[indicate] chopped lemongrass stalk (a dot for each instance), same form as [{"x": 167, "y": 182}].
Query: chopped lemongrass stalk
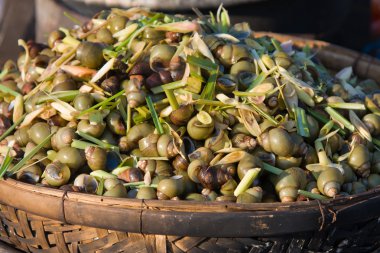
[
  {"x": 119, "y": 170},
  {"x": 54, "y": 67},
  {"x": 347, "y": 106},
  {"x": 172, "y": 99},
  {"x": 304, "y": 96},
  {"x": 82, "y": 144},
  {"x": 102, "y": 103},
  {"x": 339, "y": 118},
  {"x": 182, "y": 45},
  {"x": 209, "y": 89},
  {"x": 26, "y": 158},
  {"x": 155, "y": 118},
  {"x": 151, "y": 186},
  {"x": 284, "y": 73},
  {"x": 66, "y": 110},
  {"x": 25, "y": 65},
  {"x": 69, "y": 40},
  {"x": 202, "y": 63},
  {"x": 134, "y": 184},
  {"x": 104, "y": 70},
  {"x": 179, "y": 27},
  {"x": 100, "y": 189},
  {"x": 324, "y": 120},
  {"x": 126, "y": 32},
  {"x": 372, "y": 106},
  {"x": 101, "y": 144},
  {"x": 264, "y": 114},
  {"x": 326, "y": 128},
  {"x": 247, "y": 181},
  {"x": 168, "y": 86},
  {"x": 360, "y": 126},
  {"x": 31, "y": 116},
  {"x": 101, "y": 174},
  {"x": 7, "y": 90},
  {"x": 322, "y": 155},
  {"x": 272, "y": 169},
  {"x": 302, "y": 125},
  {"x": 259, "y": 61},
  {"x": 276, "y": 44},
  {"x": 160, "y": 158},
  {"x": 129, "y": 118},
  {"x": 209, "y": 102},
  {"x": 204, "y": 118},
  {"x": 18, "y": 110},
  {"x": 66, "y": 96},
  {"x": 199, "y": 44},
  {"x": 248, "y": 119},
  {"x": 260, "y": 78},
  {"x": 312, "y": 195},
  {"x": 9, "y": 130}
]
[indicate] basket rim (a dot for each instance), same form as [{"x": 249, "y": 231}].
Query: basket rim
[{"x": 205, "y": 218}]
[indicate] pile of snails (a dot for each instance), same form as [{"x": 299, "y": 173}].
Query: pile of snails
[{"x": 139, "y": 104}]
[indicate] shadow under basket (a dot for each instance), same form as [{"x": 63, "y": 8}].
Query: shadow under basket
[{"x": 37, "y": 219}]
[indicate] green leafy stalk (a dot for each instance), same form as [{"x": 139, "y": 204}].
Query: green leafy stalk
[
  {"x": 10, "y": 130},
  {"x": 264, "y": 114},
  {"x": 155, "y": 118},
  {"x": 97, "y": 141},
  {"x": 272, "y": 169},
  {"x": 32, "y": 153},
  {"x": 209, "y": 89},
  {"x": 302, "y": 125},
  {"x": 276, "y": 44},
  {"x": 312, "y": 195},
  {"x": 168, "y": 86},
  {"x": 202, "y": 63},
  {"x": 82, "y": 144},
  {"x": 104, "y": 102},
  {"x": 5, "y": 164},
  {"x": 7, "y": 90},
  {"x": 66, "y": 96},
  {"x": 324, "y": 120},
  {"x": 339, "y": 118}
]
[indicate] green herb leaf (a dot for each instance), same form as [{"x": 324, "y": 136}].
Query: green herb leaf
[{"x": 153, "y": 112}]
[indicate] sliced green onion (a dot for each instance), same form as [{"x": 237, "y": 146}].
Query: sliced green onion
[
  {"x": 339, "y": 118},
  {"x": 155, "y": 118},
  {"x": 272, "y": 169},
  {"x": 34, "y": 151},
  {"x": 312, "y": 195},
  {"x": 247, "y": 181}
]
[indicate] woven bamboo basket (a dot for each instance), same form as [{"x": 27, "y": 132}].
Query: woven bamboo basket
[{"x": 37, "y": 219}]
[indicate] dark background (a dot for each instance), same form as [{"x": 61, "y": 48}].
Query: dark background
[{"x": 343, "y": 22}]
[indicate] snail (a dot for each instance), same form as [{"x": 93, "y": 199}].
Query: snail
[
  {"x": 63, "y": 138},
  {"x": 158, "y": 145},
  {"x": 96, "y": 158},
  {"x": 359, "y": 160},
  {"x": 289, "y": 182},
  {"x": 57, "y": 174},
  {"x": 330, "y": 181},
  {"x": 170, "y": 188},
  {"x": 134, "y": 90},
  {"x": 251, "y": 195},
  {"x": 39, "y": 132},
  {"x": 90, "y": 54},
  {"x": 278, "y": 141}
]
